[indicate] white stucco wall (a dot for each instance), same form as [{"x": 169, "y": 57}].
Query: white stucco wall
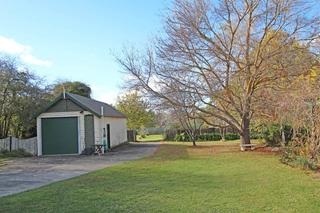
[
  {"x": 81, "y": 132},
  {"x": 118, "y": 129},
  {"x": 97, "y": 130}
]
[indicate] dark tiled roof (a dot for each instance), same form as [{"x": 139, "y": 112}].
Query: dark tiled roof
[{"x": 95, "y": 106}]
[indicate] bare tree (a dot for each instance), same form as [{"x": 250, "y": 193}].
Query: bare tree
[
  {"x": 189, "y": 122},
  {"x": 221, "y": 56},
  {"x": 222, "y": 125}
]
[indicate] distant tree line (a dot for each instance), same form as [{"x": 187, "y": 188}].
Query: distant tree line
[{"x": 23, "y": 95}]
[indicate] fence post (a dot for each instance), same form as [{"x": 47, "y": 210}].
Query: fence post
[{"x": 10, "y": 143}]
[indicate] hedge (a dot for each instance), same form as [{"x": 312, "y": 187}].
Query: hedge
[
  {"x": 204, "y": 137},
  {"x": 231, "y": 136},
  {"x": 207, "y": 137}
]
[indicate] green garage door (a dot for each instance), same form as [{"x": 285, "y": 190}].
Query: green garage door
[{"x": 59, "y": 135}]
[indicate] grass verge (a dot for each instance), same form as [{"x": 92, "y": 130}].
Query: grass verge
[
  {"x": 14, "y": 153},
  {"x": 150, "y": 138}
]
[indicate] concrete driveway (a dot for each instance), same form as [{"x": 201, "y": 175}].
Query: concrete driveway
[{"x": 28, "y": 173}]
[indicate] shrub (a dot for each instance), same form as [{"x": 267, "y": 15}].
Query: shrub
[
  {"x": 209, "y": 137},
  {"x": 215, "y": 137},
  {"x": 305, "y": 163},
  {"x": 271, "y": 133},
  {"x": 231, "y": 136},
  {"x": 203, "y": 137},
  {"x": 187, "y": 138},
  {"x": 255, "y": 135},
  {"x": 178, "y": 137},
  {"x": 170, "y": 135},
  {"x": 295, "y": 154},
  {"x": 299, "y": 161}
]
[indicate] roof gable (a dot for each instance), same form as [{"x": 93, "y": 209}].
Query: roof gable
[
  {"x": 90, "y": 105},
  {"x": 65, "y": 105}
]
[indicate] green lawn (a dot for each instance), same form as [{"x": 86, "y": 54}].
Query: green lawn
[
  {"x": 149, "y": 138},
  {"x": 213, "y": 177}
]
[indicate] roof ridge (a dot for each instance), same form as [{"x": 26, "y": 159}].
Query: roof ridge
[
  {"x": 76, "y": 96},
  {"x": 88, "y": 98},
  {"x": 110, "y": 105}
]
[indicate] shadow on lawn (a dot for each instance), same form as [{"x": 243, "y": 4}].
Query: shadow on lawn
[
  {"x": 170, "y": 152},
  {"x": 213, "y": 149},
  {"x": 181, "y": 150},
  {"x": 176, "y": 151}
]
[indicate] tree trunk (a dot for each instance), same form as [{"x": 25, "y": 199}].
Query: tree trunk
[
  {"x": 245, "y": 134},
  {"x": 194, "y": 137},
  {"x": 222, "y": 131},
  {"x": 283, "y": 136}
]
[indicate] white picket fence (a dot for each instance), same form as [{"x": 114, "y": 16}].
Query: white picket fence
[{"x": 28, "y": 145}]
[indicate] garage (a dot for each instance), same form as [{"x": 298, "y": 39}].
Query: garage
[
  {"x": 74, "y": 124},
  {"x": 60, "y": 135}
]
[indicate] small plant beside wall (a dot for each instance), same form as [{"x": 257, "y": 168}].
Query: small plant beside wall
[{"x": 14, "y": 153}]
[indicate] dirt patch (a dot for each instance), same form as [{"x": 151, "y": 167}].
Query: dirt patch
[
  {"x": 270, "y": 150},
  {"x": 172, "y": 151},
  {"x": 219, "y": 148},
  {"x": 213, "y": 149}
]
